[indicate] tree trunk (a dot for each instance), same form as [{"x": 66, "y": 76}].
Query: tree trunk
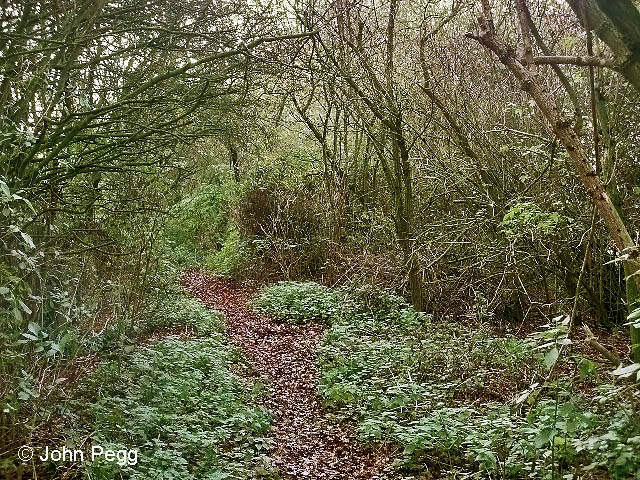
[
  {"x": 533, "y": 84},
  {"x": 616, "y": 23}
]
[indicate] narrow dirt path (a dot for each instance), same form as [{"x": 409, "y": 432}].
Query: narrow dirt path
[{"x": 308, "y": 445}]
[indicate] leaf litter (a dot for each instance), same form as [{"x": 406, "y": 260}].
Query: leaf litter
[{"x": 308, "y": 442}]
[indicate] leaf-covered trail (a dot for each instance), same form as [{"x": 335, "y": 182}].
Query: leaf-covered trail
[{"x": 308, "y": 445}]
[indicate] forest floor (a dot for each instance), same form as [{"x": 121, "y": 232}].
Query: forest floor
[{"x": 308, "y": 442}]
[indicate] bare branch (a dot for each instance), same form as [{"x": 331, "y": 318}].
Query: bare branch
[{"x": 581, "y": 61}]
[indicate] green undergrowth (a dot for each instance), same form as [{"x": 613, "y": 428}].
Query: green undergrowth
[
  {"x": 199, "y": 232},
  {"x": 458, "y": 402},
  {"x": 298, "y": 302},
  {"x": 180, "y": 311},
  {"x": 181, "y": 402}
]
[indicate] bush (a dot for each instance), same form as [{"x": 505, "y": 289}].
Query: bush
[
  {"x": 198, "y": 224},
  {"x": 277, "y": 210},
  {"x": 232, "y": 258}
]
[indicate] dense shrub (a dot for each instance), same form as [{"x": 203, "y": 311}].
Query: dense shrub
[
  {"x": 232, "y": 259},
  {"x": 278, "y": 212},
  {"x": 198, "y": 223}
]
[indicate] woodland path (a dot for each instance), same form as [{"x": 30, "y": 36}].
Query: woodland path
[{"x": 308, "y": 444}]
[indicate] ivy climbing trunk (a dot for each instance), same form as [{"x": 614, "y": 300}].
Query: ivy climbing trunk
[{"x": 616, "y": 23}]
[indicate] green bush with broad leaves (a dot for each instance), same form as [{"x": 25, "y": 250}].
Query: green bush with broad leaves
[
  {"x": 526, "y": 218},
  {"x": 36, "y": 333}
]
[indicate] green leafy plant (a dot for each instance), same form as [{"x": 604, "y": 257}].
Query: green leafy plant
[
  {"x": 180, "y": 404},
  {"x": 408, "y": 381},
  {"x": 199, "y": 224},
  {"x": 524, "y": 218},
  {"x": 298, "y": 302}
]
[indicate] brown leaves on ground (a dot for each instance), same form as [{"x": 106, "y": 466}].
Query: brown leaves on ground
[{"x": 308, "y": 444}]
